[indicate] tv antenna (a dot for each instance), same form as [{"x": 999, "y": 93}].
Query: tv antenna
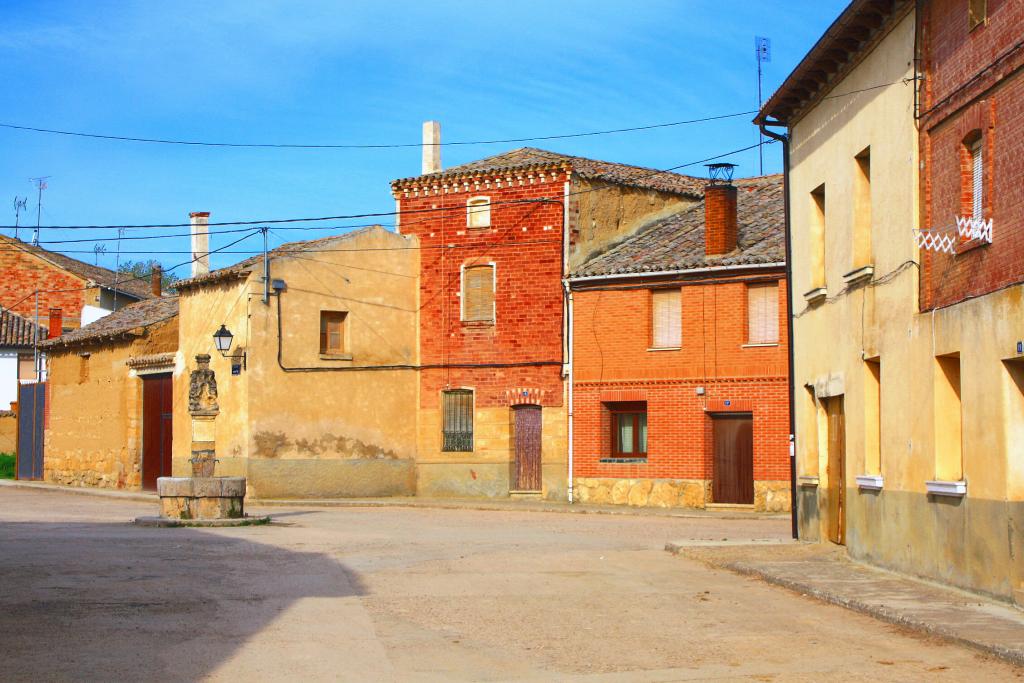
[
  {"x": 40, "y": 185},
  {"x": 763, "y": 53},
  {"x": 98, "y": 249},
  {"x": 20, "y": 204}
]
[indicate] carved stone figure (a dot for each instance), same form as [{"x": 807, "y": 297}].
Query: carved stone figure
[{"x": 202, "y": 388}]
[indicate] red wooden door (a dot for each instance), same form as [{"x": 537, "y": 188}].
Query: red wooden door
[
  {"x": 733, "y": 478},
  {"x": 528, "y": 445},
  {"x": 157, "y": 398}
]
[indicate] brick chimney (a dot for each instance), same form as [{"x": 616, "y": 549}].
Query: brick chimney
[
  {"x": 720, "y": 211},
  {"x": 56, "y": 324},
  {"x": 431, "y": 147},
  {"x": 200, "y": 242},
  {"x": 156, "y": 280}
]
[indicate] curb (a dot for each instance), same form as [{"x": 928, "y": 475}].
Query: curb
[
  {"x": 881, "y": 613},
  {"x": 102, "y": 493}
]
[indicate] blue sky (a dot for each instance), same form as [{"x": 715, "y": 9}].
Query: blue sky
[{"x": 357, "y": 72}]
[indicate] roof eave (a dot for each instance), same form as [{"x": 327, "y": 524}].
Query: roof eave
[{"x": 676, "y": 271}]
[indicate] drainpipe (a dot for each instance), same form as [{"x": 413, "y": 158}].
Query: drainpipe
[
  {"x": 784, "y": 139},
  {"x": 568, "y": 308}
]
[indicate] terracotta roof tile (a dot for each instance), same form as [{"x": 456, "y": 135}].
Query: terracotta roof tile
[
  {"x": 676, "y": 243},
  {"x": 121, "y": 282},
  {"x": 122, "y": 323},
  {"x": 526, "y": 158},
  {"x": 18, "y": 331}
]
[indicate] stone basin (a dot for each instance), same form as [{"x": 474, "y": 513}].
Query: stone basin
[{"x": 201, "y": 498}]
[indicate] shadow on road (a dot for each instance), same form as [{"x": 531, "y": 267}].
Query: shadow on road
[{"x": 116, "y": 602}]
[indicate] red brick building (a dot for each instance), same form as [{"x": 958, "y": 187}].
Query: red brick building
[
  {"x": 972, "y": 144},
  {"x": 679, "y": 358},
  {"x": 496, "y": 238}
]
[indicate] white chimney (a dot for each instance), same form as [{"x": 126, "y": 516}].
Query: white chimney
[
  {"x": 200, "y": 242},
  {"x": 431, "y": 147}
]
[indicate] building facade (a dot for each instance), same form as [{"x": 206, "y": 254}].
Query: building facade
[
  {"x": 679, "y": 362},
  {"x": 908, "y": 383},
  {"x": 497, "y": 238}
]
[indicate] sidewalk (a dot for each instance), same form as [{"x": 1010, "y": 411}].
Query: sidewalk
[
  {"x": 503, "y": 504},
  {"x": 826, "y": 573}
]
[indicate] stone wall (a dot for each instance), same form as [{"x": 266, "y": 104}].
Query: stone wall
[{"x": 769, "y": 496}]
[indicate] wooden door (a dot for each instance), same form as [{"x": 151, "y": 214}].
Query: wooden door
[
  {"x": 527, "y": 425},
  {"x": 733, "y": 476},
  {"x": 157, "y": 398},
  {"x": 836, "y": 471}
]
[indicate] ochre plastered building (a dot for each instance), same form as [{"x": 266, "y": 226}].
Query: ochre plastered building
[
  {"x": 109, "y": 398},
  {"x": 497, "y": 238},
  {"x": 317, "y": 393},
  {"x": 910, "y": 393},
  {"x": 680, "y": 358}
]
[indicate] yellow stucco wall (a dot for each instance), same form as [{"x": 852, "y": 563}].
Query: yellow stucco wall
[
  {"x": 974, "y": 542},
  {"x": 94, "y": 433},
  {"x": 8, "y": 432},
  {"x": 313, "y": 432}
]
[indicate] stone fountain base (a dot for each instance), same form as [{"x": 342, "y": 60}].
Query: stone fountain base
[{"x": 201, "y": 501}]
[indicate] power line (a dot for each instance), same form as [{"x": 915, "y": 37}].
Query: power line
[
  {"x": 276, "y": 145},
  {"x": 379, "y": 214}
]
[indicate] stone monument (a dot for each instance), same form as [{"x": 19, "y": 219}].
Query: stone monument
[{"x": 202, "y": 499}]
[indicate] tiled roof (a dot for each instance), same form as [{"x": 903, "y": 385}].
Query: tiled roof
[
  {"x": 676, "y": 243},
  {"x": 122, "y": 323},
  {"x": 526, "y": 158},
  {"x": 121, "y": 282},
  {"x": 243, "y": 268},
  {"x": 18, "y": 331}
]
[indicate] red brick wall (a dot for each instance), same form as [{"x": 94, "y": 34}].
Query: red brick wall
[
  {"x": 524, "y": 241},
  {"x": 23, "y": 273},
  {"x": 611, "y": 362},
  {"x": 962, "y": 96}
]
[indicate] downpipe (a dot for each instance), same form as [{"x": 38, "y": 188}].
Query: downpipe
[{"x": 568, "y": 309}]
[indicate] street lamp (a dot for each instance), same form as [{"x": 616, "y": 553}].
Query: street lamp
[{"x": 222, "y": 338}]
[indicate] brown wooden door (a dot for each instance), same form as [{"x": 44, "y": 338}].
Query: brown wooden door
[
  {"x": 527, "y": 425},
  {"x": 733, "y": 477},
  {"x": 157, "y": 397},
  {"x": 836, "y": 471}
]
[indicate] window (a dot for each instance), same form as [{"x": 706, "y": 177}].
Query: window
[
  {"x": 457, "y": 420},
  {"x": 478, "y": 212},
  {"x": 26, "y": 368},
  {"x": 977, "y": 179},
  {"x": 872, "y": 416},
  {"x": 816, "y": 237},
  {"x": 862, "y": 209},
  {"x": 478, "y": 293},
  {"x": 629, "y": 429},
  {"x": 666, "y": 319},
  {"x": 763, "y": 314},
  {"x": 332, "y": 332},
  {"x": 948, "y": 419},
  {"x": 977, "y": 13}
]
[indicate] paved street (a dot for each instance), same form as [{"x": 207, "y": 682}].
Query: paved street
[{"x": 418, "y": 594}]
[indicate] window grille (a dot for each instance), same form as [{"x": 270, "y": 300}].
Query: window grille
[
  {"x": 457, "y": 418},
  {"x": 666, "y": 319},
  {"x": 977, "y": 179}
]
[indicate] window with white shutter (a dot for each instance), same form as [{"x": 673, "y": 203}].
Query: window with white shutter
[
  {"x": 977, "y": 179},
  {"x": 763, "y": 314},
  {"x": 666, "y": 319},
  {"x": 478, "y": 293}
]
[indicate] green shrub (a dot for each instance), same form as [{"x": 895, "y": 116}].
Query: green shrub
[{"x": 6, "y": 465}]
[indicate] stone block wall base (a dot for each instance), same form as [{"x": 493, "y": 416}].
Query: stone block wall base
[
  {"x": 769, "y": 496},
  {"x": 201, "y": 498}
]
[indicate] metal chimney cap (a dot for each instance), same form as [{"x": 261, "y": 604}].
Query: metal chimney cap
[{"x": 720, "y": 173}]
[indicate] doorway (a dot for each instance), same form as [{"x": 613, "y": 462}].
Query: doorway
[
  {"x": 157, "y": 414},
  {"x": 527, "y": 426},
  {"x": 836, "y": 470},
  {"x": 733, "y": 473}
]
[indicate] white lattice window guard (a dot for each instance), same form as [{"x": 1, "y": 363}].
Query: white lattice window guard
[{"x": 945, "y": 240}]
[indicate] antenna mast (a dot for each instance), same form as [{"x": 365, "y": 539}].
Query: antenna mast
[
  {"x": 763, "y": 53},
  {"x": 40, "y": 185},
  {"x": 20, "y": 204}
]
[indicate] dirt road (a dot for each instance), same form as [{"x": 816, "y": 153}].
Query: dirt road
[{"x": 418, "y": 595}]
